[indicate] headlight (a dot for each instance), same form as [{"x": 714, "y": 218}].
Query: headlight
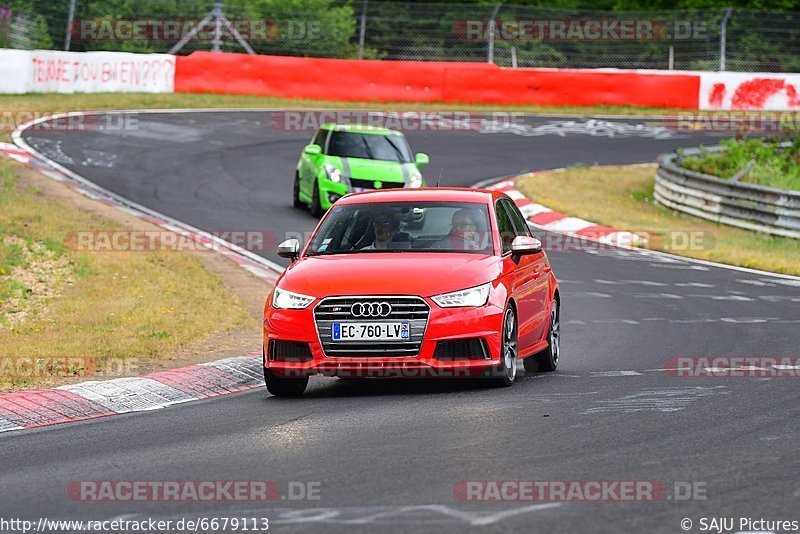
[
  {"x": 415, "y": 181},
  {"x": 290, "y": 301},
  {"x": 334, "y": 174},
  {"x": 472, "y": 297}
]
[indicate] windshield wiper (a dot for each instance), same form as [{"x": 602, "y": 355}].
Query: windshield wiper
[
  {"x": 400, "y": 156},
  {"x": 366, "y": 146}
]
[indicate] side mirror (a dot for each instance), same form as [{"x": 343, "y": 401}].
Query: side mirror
[
  {"x": 523, "y": 245},
  {"x": 313, "y": 150},
  {"x": 422, "y": 159},
  {"x": 289, "y": 249}
]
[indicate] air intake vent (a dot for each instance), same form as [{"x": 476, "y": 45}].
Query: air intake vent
[
  {"x": 289, "y": 351},
  {"x": 462, "y": 349}
]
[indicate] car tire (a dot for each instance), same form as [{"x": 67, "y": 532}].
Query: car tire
[
  {"x": 284, "y": 387},
  {"x": 503, "y": 374},
  {"x": 297, "y": 202},
  {"x": 547, "y": 360},
  {"x": 316, "y": 204}
]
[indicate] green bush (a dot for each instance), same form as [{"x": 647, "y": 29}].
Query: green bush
[{"x": 776, "y": 166}]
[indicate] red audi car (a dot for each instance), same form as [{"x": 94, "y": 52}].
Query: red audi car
[{"x": 413, "y": 282}]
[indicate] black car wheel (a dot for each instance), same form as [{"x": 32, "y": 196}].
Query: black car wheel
[
  {"x": 297, "y": 202},
  {"x": 503, "y": 375}
]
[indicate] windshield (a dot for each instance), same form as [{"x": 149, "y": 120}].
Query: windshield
[
  {"x": 392, "y": 147},
  {"x": 404, "y": 227}
]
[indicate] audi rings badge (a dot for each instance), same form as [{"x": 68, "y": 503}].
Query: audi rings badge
[{"x": 371, "y": 309}]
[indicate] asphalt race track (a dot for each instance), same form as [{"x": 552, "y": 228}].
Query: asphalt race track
[{"x": 388, "y": 454}]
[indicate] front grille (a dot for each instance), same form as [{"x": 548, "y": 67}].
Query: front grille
[
  {"x": 289, "y": 351},
  {"x": 370, "y": 184},
  {"x": 413, "y": 310},
  {"x": 461, "y": 349}
]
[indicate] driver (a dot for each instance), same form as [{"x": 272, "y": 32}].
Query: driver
[{"x": 385, "y": 226}]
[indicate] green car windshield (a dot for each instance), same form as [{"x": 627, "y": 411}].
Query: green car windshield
[
  {"x": 391, "y": 147},
  {"x": 404, "y": 227}
]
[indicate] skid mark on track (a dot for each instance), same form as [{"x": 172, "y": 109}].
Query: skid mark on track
[
  {"x": 373, "y": 515},
  {"x": 663, "y": 400}
]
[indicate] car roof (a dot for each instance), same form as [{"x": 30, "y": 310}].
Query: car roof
[
  {"x": 425, "y": 194},
  {"x": 359, "y": 128}
]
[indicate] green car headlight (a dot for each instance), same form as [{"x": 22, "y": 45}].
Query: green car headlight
[
  {"x": 334, "y": 174},
  {"x": 415, "y": 181}
]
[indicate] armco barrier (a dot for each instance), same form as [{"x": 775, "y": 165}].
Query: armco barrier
[
  {"x": 751, "y": 206},
  {"x": 409, "y": 81}
]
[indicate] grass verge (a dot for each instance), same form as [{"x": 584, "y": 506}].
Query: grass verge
[
  {"x": 622, "y": 197},
  {"x": 97, "y": 310},
  {"x": 52, "y": 103}
]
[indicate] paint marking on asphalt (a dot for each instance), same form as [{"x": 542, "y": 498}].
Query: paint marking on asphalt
[
  {"x": 5, "y": 425},
  {"x": 728, "y": 369},
  {"x": 614, "y": 373},
  {"x": 665, "y": 400},
  {"x": 734, "y": 298},
  {"x": 759, "y": 283}
]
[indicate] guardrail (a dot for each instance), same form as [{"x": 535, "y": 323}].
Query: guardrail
[{"x": 751, "y": 206}]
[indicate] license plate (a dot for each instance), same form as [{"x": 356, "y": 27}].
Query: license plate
[{"x": 370, "y": 332}]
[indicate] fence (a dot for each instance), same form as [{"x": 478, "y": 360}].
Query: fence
[
  {"x": 507, "y": 34},
  {"x": 751, "y": 206}
]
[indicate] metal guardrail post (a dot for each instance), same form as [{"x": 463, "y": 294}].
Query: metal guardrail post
[
  {"x": 70, "y": 21},
  {"x": 362, "y": 32},
  {"x": 492, "y": 30},
  {"x": 723, "y": 38}
]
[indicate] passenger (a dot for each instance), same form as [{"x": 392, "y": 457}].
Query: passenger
[{"x": 464, "y": 231}]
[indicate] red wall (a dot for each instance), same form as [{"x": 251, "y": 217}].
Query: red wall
[{"x": 411, "y": 81}]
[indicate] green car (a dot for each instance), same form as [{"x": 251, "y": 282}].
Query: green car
[{"x": 345, "y": 159}]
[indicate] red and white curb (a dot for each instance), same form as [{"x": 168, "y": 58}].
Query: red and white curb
[
  {"x": 93, "y": 399},
  {"x": 554, "y": 221}
]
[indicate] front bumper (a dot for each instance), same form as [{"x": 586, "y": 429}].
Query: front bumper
[
  {"x": 444, "y": 324},
  {"x": 330, "y": 191}
]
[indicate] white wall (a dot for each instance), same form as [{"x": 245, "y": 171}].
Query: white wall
[
  {"x": 47, "y": 71},
  {"x": 744, "y": 90}
]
